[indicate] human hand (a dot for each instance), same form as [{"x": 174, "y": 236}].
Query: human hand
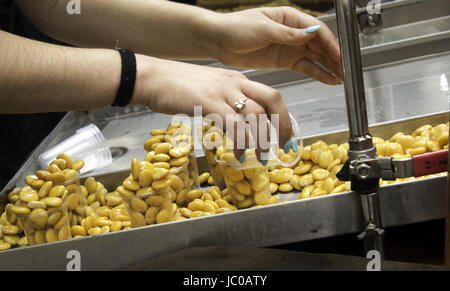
[
  {"x": 174, "y": 87},
  {"x": 281, "y": 37}
]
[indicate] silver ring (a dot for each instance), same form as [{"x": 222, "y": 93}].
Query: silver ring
[{"x": 240, "y": 104}]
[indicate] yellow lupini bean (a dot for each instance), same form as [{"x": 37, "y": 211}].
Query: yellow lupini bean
[
  {"x": 273, "y": 188},
  {"x": 91, "y": 185},
  {"x": 443, "y": 139},
  {"x": 320, "y": 174},
  {"x": 38, "y": 218},
  {"x": 160, "y": 184},
  {"x": 283, "y": 175},
  {"x": 151, "y": 141},
  {"x": 234, "y": 175},
  {"x": 406, "y": 141},
  {"x": 319, "y": 145},
  {"x": 318, "y": 192},
  {"x": 57, "y": 191},
  {"x": 150, "y": 215},
  {"x": 416, "y": 151},
  {"x": 4, "y": 245},
  {"x": 204, "y": 177},
  {"x": 243, "y": 187},
  {"x": 135, "y": 169},
  {"x": 95, "y": 230},
  {"x": 325, "y": 159},
  {"x": 196, "y": 205},
  {"x": 162, "y": 148},
  {"x": 419, "y": 130},
  {"x": 392, "y": 148},
  {"x": 286, "y": 187},
  {"x": 315, "y": 155},
  {"x": 62, "y": 221},
  {"x": 52, "y": 201},
  {"x": 138, "y": 204},
  {"x": 78, "y": 230},
  {"x": 160, "y": 173},
  {"x": 194, "y": 194},
  {"x": 21, "y": 210},
  {"x": 338, "y": 189},
  {"x": 247, "y": 202},
  {"x": 28, "y": 196},
  {"x": 306, "y": 180},
  {"x": 145, "y": 178},
  {"x": 303, "y": 168},
  {"x": 77, "y": 165},
  {"x": 10, "y": 229},
  {"x": 177, "y": 162},
  {"x": 328, "y": 185},
  {"x": 36, "y": 204},
  {"x": 333, "y": 164}
]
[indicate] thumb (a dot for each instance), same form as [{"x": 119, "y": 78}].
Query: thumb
[{"x": 283, "y": 34}]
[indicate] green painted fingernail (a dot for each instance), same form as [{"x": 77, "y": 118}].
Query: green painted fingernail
[
  {"x": 287, "y": 146},
  {"x": 294, "y": 145},
  {"x": 264, "y": 162},
  {"x": 312, "y": 29},
  {"x": 242, "y": 159}
]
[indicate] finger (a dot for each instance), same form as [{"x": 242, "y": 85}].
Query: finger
[
  {"x": 311, "y": 69},
  {"x": 333, "y": 65},
  {"x": 272, "y": 102},
  {"x": 256, "y": 130},
  {"x": 282, "y": 34},
  {"x": 295, "y": 18}
]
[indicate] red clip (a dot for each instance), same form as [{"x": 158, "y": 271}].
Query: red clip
[{"x": 430, "y": 163}]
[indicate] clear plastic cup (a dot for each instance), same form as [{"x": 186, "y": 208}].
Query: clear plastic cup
[
  {"x": 87, "y": 144},
  {"x": 51, "y": 224},
  {"x": 218, "y": 158},
  {"x": 150, "y": 204}
]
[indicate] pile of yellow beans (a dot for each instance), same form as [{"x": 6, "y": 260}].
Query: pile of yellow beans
[
  {"x": 41, "y": 208},
  {"x": 170, "y": 150},
  {"x": 315, "y": 174},
  {"x": 247, "y": 187},
  {"x": 105, "y": 212},
  {"x": 206, "y": 177},
  {"x": 198, "y": 203}
]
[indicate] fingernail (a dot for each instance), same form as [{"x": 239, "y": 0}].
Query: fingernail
[
  {"x": 287, "y": 146},
  {"x": 242, "y": 159},
  {"x": 340, "y": 82},
  {"x": 312, "y": 29},
  {"x": 294, "y": 145},
  {"x": 264, "y": 162}
]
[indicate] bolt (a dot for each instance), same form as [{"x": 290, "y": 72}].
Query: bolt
[{"x": 363, "y": 171}]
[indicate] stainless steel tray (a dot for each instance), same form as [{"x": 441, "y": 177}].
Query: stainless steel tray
[{"x": 292, "y": 221}]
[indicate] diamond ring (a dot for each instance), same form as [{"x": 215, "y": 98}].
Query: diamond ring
[{"x": 240, "y": 104}]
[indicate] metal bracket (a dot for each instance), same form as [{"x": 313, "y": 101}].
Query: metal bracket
[
  {"x": 385, "y": 168},
  {"x": 370, "y": 21}
]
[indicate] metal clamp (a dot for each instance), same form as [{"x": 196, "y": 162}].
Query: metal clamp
[{"x": 385, "y": 168}]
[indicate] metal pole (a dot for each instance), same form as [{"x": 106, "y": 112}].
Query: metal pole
[{"x": 360, "y": 141}]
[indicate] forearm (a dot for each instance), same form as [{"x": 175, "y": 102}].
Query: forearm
[
  {"x": 40, "y": 77},
  {"x": 152, "y": 27}
]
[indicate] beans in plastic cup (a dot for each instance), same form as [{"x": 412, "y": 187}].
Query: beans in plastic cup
[
  {"x": 87, "y": 144},
  {"x": 247, "y": 180},
  {"x": 47, "y": 212},
  {"x": 159, "y": 190}
]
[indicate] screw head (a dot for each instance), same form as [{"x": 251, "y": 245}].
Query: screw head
[{"x": 363, "y": 171}]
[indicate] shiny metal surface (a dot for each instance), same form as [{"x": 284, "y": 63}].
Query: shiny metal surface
[{"x": 352, "y": 68}]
